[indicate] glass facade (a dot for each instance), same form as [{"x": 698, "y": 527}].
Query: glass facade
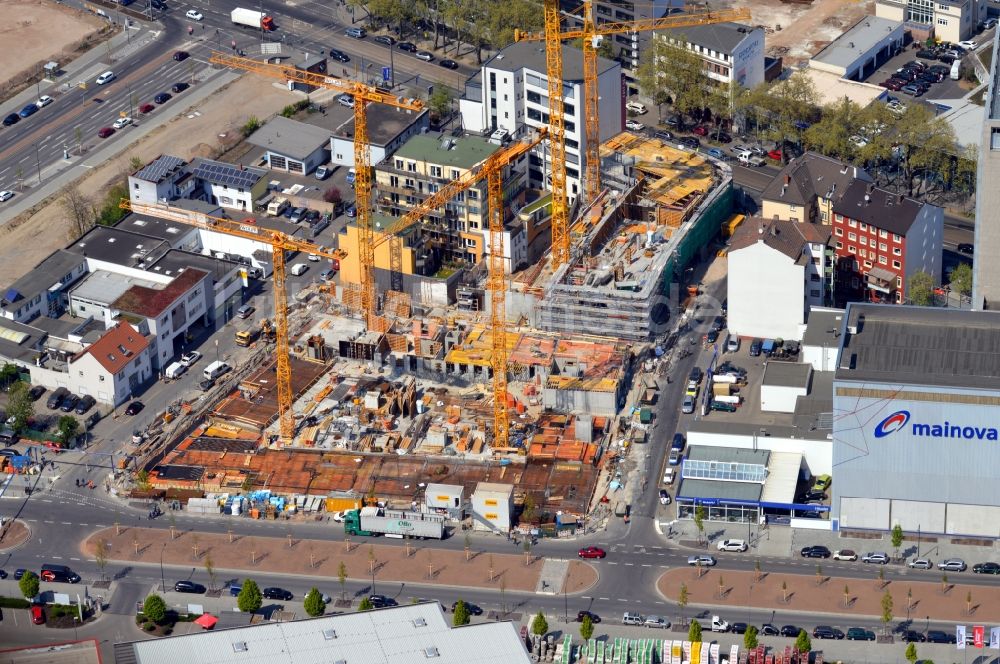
[{"x": 720, "y": 511}]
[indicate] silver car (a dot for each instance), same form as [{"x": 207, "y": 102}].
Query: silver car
[
  {"x": 702, "y": 560},
  {"x": 657, "y": 622},
  {"x": 877, "y": 557},
  {"x": 688, "y": 405},
  {"x": 920, "y": 563},
  {"x": 952, "y": 565}
]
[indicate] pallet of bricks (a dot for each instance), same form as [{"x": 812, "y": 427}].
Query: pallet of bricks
[{"x": 647, "y": 651}]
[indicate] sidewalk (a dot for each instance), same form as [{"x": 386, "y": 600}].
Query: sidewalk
[
  {"x": 417, "y": 563},
  {"x": 835, "y": 596}
]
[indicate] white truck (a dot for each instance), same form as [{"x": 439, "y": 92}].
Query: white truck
[
  {"x": 175, "y": 370},
  {"x": 250, "y": 18},
  {"x": 719, "y": 625},
  {"x": 369, "y": 521}
]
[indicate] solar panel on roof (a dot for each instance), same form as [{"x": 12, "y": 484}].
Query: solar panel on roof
[{"x": 156, "y": 170}]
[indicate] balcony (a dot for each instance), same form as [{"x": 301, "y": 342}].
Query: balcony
[{"x": 881, "y": 281}]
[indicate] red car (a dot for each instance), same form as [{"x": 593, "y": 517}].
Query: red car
[
  {"x": 105, "y": 132},
  {"x": 592, "y": 552},
  {"x": 37, "y": 615},
  {"x": 700, "y": 130},
  {"x": 146, "y": 108},
  {"x": 775, "y": 154}
]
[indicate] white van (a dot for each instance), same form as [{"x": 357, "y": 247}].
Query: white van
[
  {"x": 106, "y": 77},
  {"x": 956, "y": 69},
  {"x": 635, "y": 107},
  {"x": 750, "y": 159},
  {"x": 299, "y": 269},
  {"x": 175, "y": 370},
  {"x": 277, "y": 206},
  {"x": 215, "y": 369}
]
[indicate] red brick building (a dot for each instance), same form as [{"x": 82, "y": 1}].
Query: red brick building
[{"x": 881, "y": 240}]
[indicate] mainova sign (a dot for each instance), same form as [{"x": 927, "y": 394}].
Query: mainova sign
[{"x": 902, "y": 420}]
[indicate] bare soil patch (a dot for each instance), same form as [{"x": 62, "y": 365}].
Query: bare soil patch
[
  {"x": 14, "y": 535},
  {"x": 797, "y": 32},
  {"x": 36, "y": 31}
]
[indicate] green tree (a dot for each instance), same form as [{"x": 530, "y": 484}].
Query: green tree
[
  {"x": 67, "y": 428},
  {"x": 142, "y": 480},
  {"x": 779, "y": 105},
  {"x": 683, "y": 598},
  {"x": 342, "y": 579},
  {"x": 750, "y": 638},
  {"x": 20, "y": 406},
  {"x": 313, "y": 603},
  {"x": 110, "y": 213},
  {"x": 9, "y": 373},
  {"x": 29, "y": 585},
  {"x": 831, "y": 135},
  {"x": 694, "y": 632},
  {"x": 920, "y": 289},
  {"x": 250, "y": 126},
  {"x": 699, "y": 520},
  {"x": 886, "y": 610},
  {"x": 673, "y": 72},
  {"x": 80, "y": 210},
  {"x": 802, "y": 642},
  {"x": 961, "y": 279},
  {"x": 154, "y": 608},
  {"x": 911, "y": 653},
  {"x": 440, "y": 101},
  {"x": 366, "y": 605},
  {"x": 461, "y": 615},
  {"x": 539, "y": 625},
  {"x": 586, "y": 628},
  {"x": 250, "y": 598},
  {"x": 897, "y": 538}
]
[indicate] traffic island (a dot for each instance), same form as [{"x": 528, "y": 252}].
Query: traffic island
[
  {"x": 355, "y": 559},
  {"x": 909, "y": 599},
  {"x": 13, "y": 535}
]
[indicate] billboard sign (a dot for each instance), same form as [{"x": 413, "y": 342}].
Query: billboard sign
[
  {"x": 960, "y": 637},
  {"x": 978, "y": 636},
  {"x": 898, "y": 420}
]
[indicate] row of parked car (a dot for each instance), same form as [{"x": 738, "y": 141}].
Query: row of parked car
[
  {"x": 916, "y": 78},
  {"x": 64, "y": 400},
  {"x": 882, "y": 558}
]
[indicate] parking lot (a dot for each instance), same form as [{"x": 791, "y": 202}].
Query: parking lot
[{"x": 945, "y": 89}]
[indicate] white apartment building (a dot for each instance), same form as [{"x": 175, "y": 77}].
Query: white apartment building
[
  {"x": 167, "y": 178},
  {"x": 951, "y": 20},
  {"x": 511, "y": 92},
  {"x": 731, "y": 52},
  {"x": 777, "y": 272}
]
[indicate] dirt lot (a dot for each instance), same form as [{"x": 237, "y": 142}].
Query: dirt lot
[
  {"x": 197, "y": 132},
  {"x": 804, "y": 29},
  {"x": 41, "y": 29}
]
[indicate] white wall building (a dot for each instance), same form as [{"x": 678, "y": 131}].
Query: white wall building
[
  {"x": 493, "y": 506},
  {"x": 856, "y": 54},
  {"x": 783, "y": 383},
  {"x": 731, "y": 52},
  {"x": 776, "y": 273},
  {"x": 951, "y": 20},
  {"x": 511, "y": 92},
  {"x": 42, "y": 291}
]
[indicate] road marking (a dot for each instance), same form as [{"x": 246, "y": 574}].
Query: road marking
[
  {"x": 67, "y": 523},
  {"x": 629, "y": 564},
  {"x": 622, "y": 600},
  {"x": 56, "y": 557},
  {"x": 647, "y": 565},
  {"x": 604, "y": 599},
  {"x": 84, "y": 524},
  {"x": 78, "y": 560}
]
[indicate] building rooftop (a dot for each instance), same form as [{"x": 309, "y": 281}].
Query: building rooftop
[
  {"x": 720, "y": 37},
  {"x": 824, "y": 327},
  {"x": 176, "y": 261},
  {"x": 856, "y": 42},
  {"x": 786, "y": 374},
  {"x": 463, "y": 152},
  {"x": 876, "y": 207},
  {"x": 993, "y": 94},
  {"x": 531, "y": 55},
  {"x": 86, "y": 651},
  {"x": 19, "y": 342},
  {"x": 151, "y": 302},
  {"x": 788, "y": 237},
  {"x": 385, "y": 123},
  {"x": 117, "y": 347},
  {"x": 395, "y": 635},
  {"x": 105, "y": 287},
  {"x": 291, "y": 138},
  {"x": 162, "y": 229},
  {"x": 160, "y": 169},
  {"x": 809, "y": 176},
  {"x": 40, "y": 278},
  {"x": 728, "y": 454},
  {"x": 221, "y": 173},
  {"x": 119, "y": 246},
  {"x": 902, "y": 345}
]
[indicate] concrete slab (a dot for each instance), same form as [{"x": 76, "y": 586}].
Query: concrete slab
[{"x": 553, "y": 574}]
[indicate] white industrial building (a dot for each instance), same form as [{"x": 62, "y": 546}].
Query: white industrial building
[
  {"x": 388, "y": 128},
  {"x": 947, "y": 20},
  {"x": 777, "y": 271},
  {"x": 730, "y": 52},
  {"x": 783, "y": 383},
  {"x": 511, "y": 92},
  {"x": 493, "y": 507},
  {"x": 167, "y": 178},
  {"x": 863, "y": 48},
  {"x": 445, "y": 499},
  {"x": 292, "y": 146}
]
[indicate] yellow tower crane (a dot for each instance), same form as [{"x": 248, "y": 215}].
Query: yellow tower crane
[
  {"x": 590, "y": 34},
  {"x": 362, "y": 159}
]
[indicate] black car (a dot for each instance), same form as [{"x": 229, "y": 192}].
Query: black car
[
  {"x": 594, "y": 618},
  {"x": 719, "y": 324},
  {"x": 738, "y": 628},
  {"x": 384, "y": 39},
  {"x": 913, "y": 636},
  {"x": 712, "y": 336},
  {"x": 162, "y": 98},
  {"x": 85, "y": 403},
  {"x": 965, "y": 248},
  {"x": 690, "y": 142},
  {"x": 406, "y": 46},
  {"x": 158, "y": 5},
  {"x": 449, "y": 64},
  {"x": 827, "y": 632},
  {"x": 189, "y": 587},
  {"x": 812, "y": 497},
  {"x": 277, "y": 593},
  {"x": 471, "y": 608},
  {"x": 815, "y": 552},
  {"x": 926, "y": 54},
  {"x": 695, "y": 374},
  {"x": 3, "y": 574},
  {"x": 13, "y": 118},
  {"x": 179, "y": 87},
  {"x": 339, "y": 56},
  {"x": 767, "y": 629},
  {"x": 134, "y": 408},
  {"x": 381, "y": 601},
  {"x": 938, "y": 636},
  {"x": 36, "y": 392},
  {"x": 180, "y": 56},
  {"x": 678, "y": 442},
  {"x": 69, "y": 403},
  {"x": 755, "y": 347},
  {"x": 790, "y": 630},
  {"x": 986, "y": 568}
]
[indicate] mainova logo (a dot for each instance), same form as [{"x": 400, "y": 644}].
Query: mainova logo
[{"x": 892, "y": 423}]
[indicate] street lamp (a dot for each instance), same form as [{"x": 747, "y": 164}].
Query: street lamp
[
  {"x": 76, "y": 620},
  {"x": 216, "y": 350},
  {"x": 163, "y": 583},
  {"x": 38, "y": 164}
]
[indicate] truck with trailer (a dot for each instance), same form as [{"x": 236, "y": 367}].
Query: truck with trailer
[
  {"x": 371, "y": 521},
  {"x": 250, "y": 18}
]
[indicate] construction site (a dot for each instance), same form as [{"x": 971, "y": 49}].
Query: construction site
[{"x": 508, "y": 376}]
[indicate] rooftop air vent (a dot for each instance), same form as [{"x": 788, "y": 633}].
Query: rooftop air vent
[
  {"x": 240, "y": 646},
  {"x": 431, "y": 651},
  {"x": 329, "y": 634}
]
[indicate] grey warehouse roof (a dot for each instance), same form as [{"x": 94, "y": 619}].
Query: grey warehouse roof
[
  {"x": 728, "y": 454},
  {"x": 288, "y": 137},
  {"x": 853, "y": 44},
  {"x": 397, "y": 635},
  {"x": 823, "y": 328},
  {"x": 531, "y": 55},
  {"x": 921, "y": 346},
  {"x": 40, "y": 278},
  {"x": 720, "y": 37},
  {"x": 786, "y": 374}
]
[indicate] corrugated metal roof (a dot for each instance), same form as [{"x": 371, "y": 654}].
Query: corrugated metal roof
[{"x": 396, "y": 635}]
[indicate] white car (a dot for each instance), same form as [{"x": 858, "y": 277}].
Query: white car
[
  {"x": 845, "y": 554},
  {"x": 106, "y": 77},
  {"x": 122, "y": 122},
  {"x": 632, "y": 125},
  {"x": 857, "y": 141},
  {"x": 339, "y": 516},
  {"x": 896, "y": 106},
  {"x": 314, "y": 258},
  {"x": 187, "y": 359},
  {"x": 737, "y": 545},
  {"x": 43, "y": 101},
  {"x": 424, "y": 55},
  {"x": 194, "y": 15},
  {"x": 968, "y": 45},
  {"x": 6, "y": 196},
  {"x": 701, "y": 560},
  {"x": 920, "y": 563}
]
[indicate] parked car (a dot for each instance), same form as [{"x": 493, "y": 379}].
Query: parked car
[
  {"x": 85, "y": 403},
  {"x": 813, "y": 497},
  {"x": 384, "y": 39},
  {"x": 245, "y": 311},
  {"x": 675, "y": 456},
  {"x": 44, "y": 101},
  {"x": 790, "y": 630},
  {"x": 594, "y": 618},
  {"x": 952, "y": 565},
  {"x": 986, "y": 568},
  {"x": 121, "y": 123},
  {"x": 426, "y": 56},
  {"x": 876, "y": 557},
  {"x": 827, "y": 632},
  {"x": 189, "y": 358},
  {"x": 471, "y": 608},
  {"x": 860, "y": 634},
  {"x": 656, "y": 622},
  {"x": 732, "y": 545},
  {"x": 821, "y": 482},
  {"x": 277, "y": 593},
  {"x": 147, "y": 108},
  {"x": 339, "y": 56},
  {"x": 134, "y": 408},
  {"x": 69, "y": 403},
  {"x": 297, "y": 215},
  {"x": 37, "y": 614},
  {"x": 687, "y": 406},
  {"x": 179, "y": 87},
  {"x": 738, "y": 628},
  {"x": 664, "y": 135},
  {"x": 36, "y": 392},
  {"x": 105, "y": 132},
  {"x": 189, "y": 587},
  {"x": 939, "y": 636},
  {"x": 767, "y": 629},
  {"x": 381, "y": 601},
  {"x": 664, "y": 497},
  {"x": 715, "y": 153},
  {"x": 755, "y": 347},
  {"x": 690, "y": 142},
  {"x": 845, "y": 554},
  {"x": 701, "y": 559},
  {"x": 920, "y": 563},
  {"x": 592, "y": 552},
  {"x": 11, "y": 119},
  {"x": 6, "y": 195},
  {"x": 28, "y": 110},
  {"x": 346, "y": 100},
  {"x": 815, "y": 551},
  {"x": 162, "y": 98},
  {"x": 448, "y": 64},
  {"x": 965, "y": 248},
  {"x": 632, "y": 125},
  {"x": 700, "y": 130},
  {"x": 913, "y": 636},
  {"x": 406, "y": 46}
]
